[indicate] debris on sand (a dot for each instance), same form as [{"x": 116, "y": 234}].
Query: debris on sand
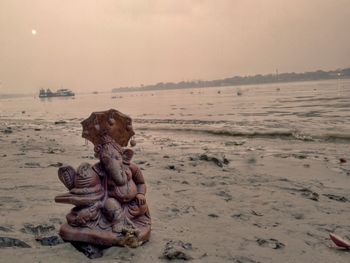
[
  {"x": 60, "y": 122},
  {"x": 342, "y": 160},
  {"x": 298, "y": 216},
  {"x": 300, "y": 156},
  {"x": 49, "y": 240},
  {"x": 243, "y": 259},
  {"x": 55, "y": 151},
  {"x": 340, "y": 242},
  {"x": 337, "y": 198},
  {"x": 234, "y": 143},
  {"x": 240, "y": 216},
  {"x": 226, "y": 196},
  {"x": 37, "y": 230},
  {"x": 302, "y": 137},
  {"x": 89, "y": 250},
  {"x": 7, "y": 130},
  {"x": 217, "y": 161},
  {"x": 12, "y": 242},
  {"x": 32, "y": 165},
  {"x": 171, "y": 167},
  {"x": 253, "y": 212},
  {"x": 6, "y": 229},
  {"x": 271, "y": 243},
  {"x": 306, "y": 192},
  {"x": 252, "y": 160},
  {"x": 177, "y": 250},
  {"x": 309, "y": 194},
  {"x": 91, "y": 157},
  {"x": 58, "y": 164},
  {"x": 213, "y": 215}
]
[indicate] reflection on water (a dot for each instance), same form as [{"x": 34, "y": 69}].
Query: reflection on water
[{"x": 307, "y": 109}]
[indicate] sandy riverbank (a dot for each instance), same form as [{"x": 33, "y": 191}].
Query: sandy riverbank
[{"x": 275, "y": 201}]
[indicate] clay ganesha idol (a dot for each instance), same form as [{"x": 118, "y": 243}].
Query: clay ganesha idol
[{"x": 109, "y": 196}]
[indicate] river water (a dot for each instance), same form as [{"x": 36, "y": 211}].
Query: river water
[{"x": 303, "y": 110}]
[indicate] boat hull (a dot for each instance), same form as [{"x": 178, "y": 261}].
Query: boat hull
[{"x": 53, "y": 95}]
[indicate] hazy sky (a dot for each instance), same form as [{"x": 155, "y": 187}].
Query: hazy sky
[{"x": 89, "y": 45}]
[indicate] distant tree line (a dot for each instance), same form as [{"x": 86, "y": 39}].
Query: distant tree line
[{"x": 244, "y": 80}]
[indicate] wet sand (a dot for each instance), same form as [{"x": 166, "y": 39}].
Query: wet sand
[{"x": 275, "y": 201}]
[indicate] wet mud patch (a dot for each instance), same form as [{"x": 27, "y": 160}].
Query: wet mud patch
[{"x": 10, "y": 203}]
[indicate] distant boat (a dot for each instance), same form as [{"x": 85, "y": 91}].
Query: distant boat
[
  {"x": 59, "y": 93},
  {"x": 95, "y": 92}
]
